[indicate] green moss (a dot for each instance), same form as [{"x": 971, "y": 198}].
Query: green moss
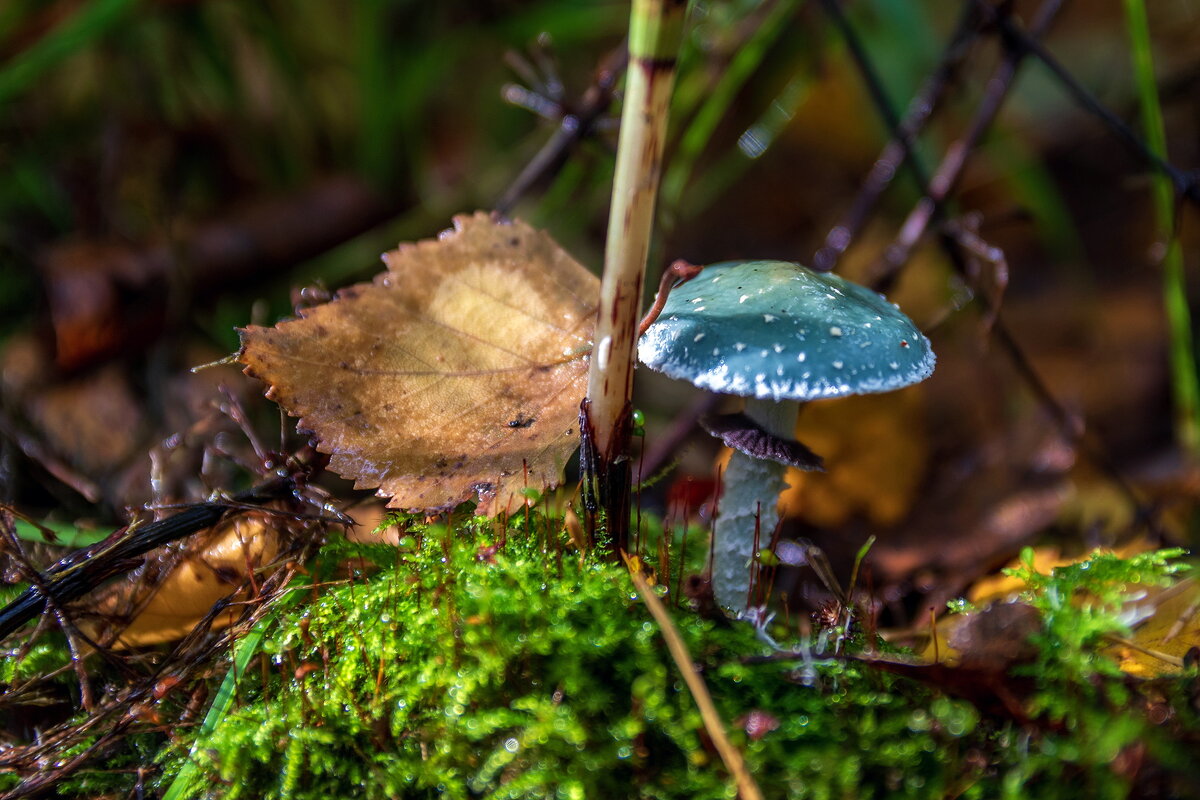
[
  {"x": 479, "y": 660},
  {"x": 466, "y": 669}
]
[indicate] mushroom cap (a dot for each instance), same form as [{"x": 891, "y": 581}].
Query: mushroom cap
[{"x": 778, "y": 330}]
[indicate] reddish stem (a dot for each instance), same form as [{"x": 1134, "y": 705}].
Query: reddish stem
[{"x": 674, "y": 276}]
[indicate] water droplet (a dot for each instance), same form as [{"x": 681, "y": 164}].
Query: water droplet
[
  {"x": 716, "y": 351},
  {"x": 512, "y": 745},
  {"x": 700, "y": 308},
  {"x": 769, "y": 317},
  {"x": 739, "y": 346},
  {"x": 778, "y": 348},
  {"x": 603, "y": 350},
  {"x": 894, "y": 365},
  {"x": 696, "y": 300},
  {"x": 835, "y": 331},
  {"x": 802, "y": 356},
  {"x": 698, "y": 337},
  {"x": 837, "y": 365},
  {"x": 743, "y": 298}
]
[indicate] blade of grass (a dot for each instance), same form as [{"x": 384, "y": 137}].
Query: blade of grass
[
  {"x": 89, "y": 23},
  {"x": 64, "y": 535},
  {"x": 184, "y": 783},
  {"x": 746, "y": 786},
  {"x": 742, "y": 66},
  {"x": 1184, "y": 380}
]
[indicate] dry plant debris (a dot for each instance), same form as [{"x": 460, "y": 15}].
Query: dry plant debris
[{"x": 457, "y": 374}]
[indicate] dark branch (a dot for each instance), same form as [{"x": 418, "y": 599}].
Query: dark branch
[
  {"x": 904, "y": 136},
  {"x": 1019, "y": 41},
  {"x": 85, "y": 569}
]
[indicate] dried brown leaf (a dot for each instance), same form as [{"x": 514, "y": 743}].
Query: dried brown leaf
[{"x": 458, "y": 372}]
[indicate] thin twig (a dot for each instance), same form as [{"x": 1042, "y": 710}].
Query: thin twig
[
  {"x": 950, "y": 170},
  {"x": 899, "y": 148},
  {"x": 931, "y": 208},
  {"x": 655, "y": 33},
  {"x": 573, "y": 128},
  {"x": 1027, "y": 43}
]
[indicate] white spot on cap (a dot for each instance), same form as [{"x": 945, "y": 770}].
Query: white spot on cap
[
  {"x": 765, "y": 353},
  {"x": 700, "y": 308},
  {"x": 716, "y": 279},
  {"x": 769, "y": 318},
  {"x": 801, "y": 357},
  {"x": 696, "y": 300},
  {"x": 779, "y": 370},
  {"x": 743, "y": 298},
  {"x": 699, "y": 336},
  {"x": 739, "y": 346},
  {"x": 716, "y": 351},
  {"x": 837, "y": 365},
  {"x": 778, "y": 348},
  {"x": 893, "y": 365},
  {"x": 835, "y": 331}
]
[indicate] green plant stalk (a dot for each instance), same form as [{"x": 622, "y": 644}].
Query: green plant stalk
[
  {"x": 655, "y": 32},
  {"x": 1184, "y": 380}
]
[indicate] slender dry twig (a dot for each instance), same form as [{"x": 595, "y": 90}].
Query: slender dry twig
[
  {"x": 747, "y": 788},
  {"x": 947, "y": 175},
  {"x": 898, "y": 150},
  {"x": 1023, "y": 42},
  {"x": 574, "y": 126},
  {"x": 931, "y": 208}
]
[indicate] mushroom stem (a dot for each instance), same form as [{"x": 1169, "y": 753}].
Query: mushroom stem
[{"x": 750, "y": 497}]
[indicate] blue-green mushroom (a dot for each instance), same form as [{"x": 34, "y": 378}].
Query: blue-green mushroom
[{"x": 777, "y": 334}]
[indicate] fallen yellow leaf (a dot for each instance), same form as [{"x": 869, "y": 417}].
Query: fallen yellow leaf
[{"x": 458, "y": 373}]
